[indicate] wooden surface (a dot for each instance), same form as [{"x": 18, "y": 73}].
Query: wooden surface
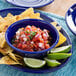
[{"x": 58, "y": 6}]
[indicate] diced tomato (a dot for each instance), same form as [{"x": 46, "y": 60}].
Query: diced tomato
[
  {"x": 38, "y": 32},
  {"x": 38, "y": 37},
  {"x": 14, "y": 45},
  {"x": 28, "y": 42},
  {"x": 35, "y": 37},
  {"x": 41, "y": 40},
  {"x": 22, "y": 32},
  {"x": 31, "y": 50},
  {"x": 19, "y": 45},
  {"x": 24, "y": 46},
  {"x": 22, "y": 28},
  {"x": 31, "y": 45},
  {"x": 17, "y": 41},
  {"x": 45, "y": 42},
  {"x": 28, "y": 28},
  {"x": 44, "y": 36},
  {"x": 34, "y": 28},
  {"x": 47, "y": 46},
  {"x": 27, "y": 34},
  {"x": 21, "y": 39},
  {"x": 35, "y": 45}
]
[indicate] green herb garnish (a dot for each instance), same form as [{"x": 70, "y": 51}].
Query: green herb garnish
[
  {"x": 32, "y": 34},
  {"x": 27, "y": 32},
  {"x": 48, "y": 42},
  {"x": 13, "y": 41}
]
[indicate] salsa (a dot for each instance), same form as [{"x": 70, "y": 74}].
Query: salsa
[{"x": 31, "y": 39}]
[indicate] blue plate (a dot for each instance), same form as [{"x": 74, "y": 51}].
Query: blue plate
[
  {"x": 17, "y": 11},
  {"x": 71, "y": 18},
  {"x": 30, "y": 3}
]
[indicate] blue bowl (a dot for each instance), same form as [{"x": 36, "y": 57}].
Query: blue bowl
[
  {"x": 70, "y": 18},
  {"x": 38, "y": 23}
]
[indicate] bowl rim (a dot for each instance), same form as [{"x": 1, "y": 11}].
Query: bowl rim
[
  {"x": 28, "y": 52},
  {"x": 51, "y": 1}
]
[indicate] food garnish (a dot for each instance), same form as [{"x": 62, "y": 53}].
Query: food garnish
[
  {"x": 52, "y": 63},
  {"x": 34, "y": 63},
  {"x": 63, "y": 49},
  {"x": 59, "y": 56}
]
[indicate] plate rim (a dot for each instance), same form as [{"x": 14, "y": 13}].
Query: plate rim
[
  {"x": 47, "y": 71},
  {"x": 33, "y": 6},
  {"x": 72, "y": 19}
]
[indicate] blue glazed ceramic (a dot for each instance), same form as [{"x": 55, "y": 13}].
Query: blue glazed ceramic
[
  {"x": 17, "y": 11},
  {"x": 30, "y": 3},
  {"x": 11, "y": 31},
  {"x": 71, "y": 18}
]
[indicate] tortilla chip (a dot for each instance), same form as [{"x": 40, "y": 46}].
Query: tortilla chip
[
  {"x": 55, "y": 25},
  {"x": 2, "y": 51},
  {"x": 6, "y": 49},
  {"x": 18, "y": 17},
  {"x": 1, "y": 17},
  {"x": 34, "y": 17},
  {"x": 11, "y": 20},
  {"x": 27, "y": 13},
  {"x": 2, "y": 20},
  {"x": 59, "y": 28},
  {"x": 12, "y": 56},
  {"x": 62, "y": 38},
  {"x": 5, "y": 25},
  {"x": 37, "y": 14},
  {"x": 18, "y": 56},
  {"x": 8, "y": 20},
  {"x": 3, "y": 43},
  {"x": 8, "y": 16},
  {"x": 2, "y": 39},
  {"x": 8, "y": 60}
]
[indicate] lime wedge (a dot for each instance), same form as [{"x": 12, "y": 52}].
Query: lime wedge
[
  {"x": 34, "y": 63},
  {"x": 52, "y": 63},
  {"x": 59, "y": 55},
  {"x": 63, "y": 49}
]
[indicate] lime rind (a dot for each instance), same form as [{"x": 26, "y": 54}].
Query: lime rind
[
  {"x": 64, "y": 49},
  {"x": 58, "y": 56},
  {"x": 52, "y": 63},
  {"x": 34, "y": 63}
]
